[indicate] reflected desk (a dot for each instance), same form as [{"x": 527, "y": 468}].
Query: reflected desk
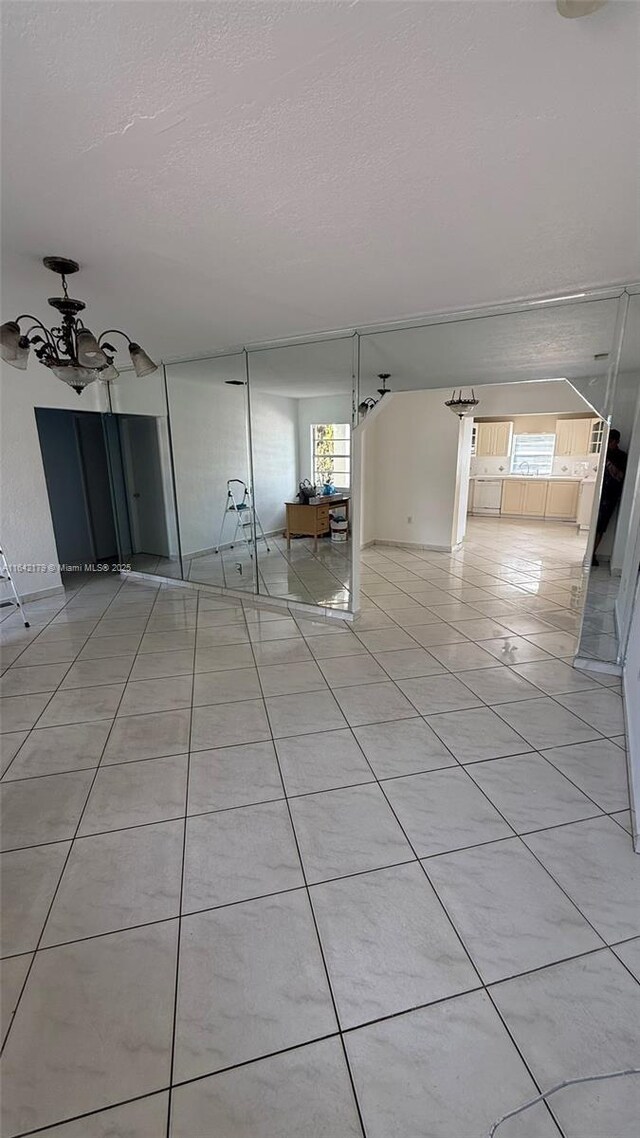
[{"x": 312, "y": 520}]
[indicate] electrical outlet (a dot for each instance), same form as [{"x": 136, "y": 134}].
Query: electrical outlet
[{"x": 410, "y": 518}]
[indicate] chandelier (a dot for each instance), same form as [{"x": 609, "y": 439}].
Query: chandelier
[
  {"x": 70, "y": 350},
  {"x": 460, "y": 405}
]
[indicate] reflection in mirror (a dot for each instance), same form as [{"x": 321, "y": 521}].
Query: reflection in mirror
[
  {"x": 613, "y": 578},
  {"x": 301, "y": 411},
  {"x": 208, "y": 409},
  {"x": 482, "y": 522},
  {"x": 136, "y": 435}
]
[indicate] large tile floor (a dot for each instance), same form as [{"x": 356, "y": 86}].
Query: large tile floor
[{"x": 265, "y": 876}]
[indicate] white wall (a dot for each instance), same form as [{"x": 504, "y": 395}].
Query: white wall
[
  {"x": 367, "y": 436},
  {"x": 274, "y": 435},
  {"x": 463, "y": 466},
  {"x": 209, "y": 432},
  {"x": 208, "y": 429},
  {"x": 318, "y": 409},
  {"x": 25, "y": 517},
  {"x": 548, "y": 397},
  {"x": 413, "y": 448}
]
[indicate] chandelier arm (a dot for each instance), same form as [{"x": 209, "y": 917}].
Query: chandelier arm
[
  {"x": 118, "y": 332},
  {"x": 36, "y": 324}
]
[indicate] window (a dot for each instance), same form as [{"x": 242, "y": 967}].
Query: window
[
  {"x": 597, "y": 431},
  {"x": 532, "y": 454},
  {"x": 331, "y": 448},
  {"x": 474, "y": 439}
]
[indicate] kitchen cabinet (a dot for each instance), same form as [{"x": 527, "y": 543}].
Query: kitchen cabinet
[
  {"x": 573, "y": 436},
  {"x": 535, "y": 498},
  {"x": 562, "y": 500},
  {"x": 494, "y": 439},
  {"x": 512, "y": 496},
  {"x": 524, "y": 497}
]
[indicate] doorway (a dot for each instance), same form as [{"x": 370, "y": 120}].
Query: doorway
[{"x": 108, "y": 484}]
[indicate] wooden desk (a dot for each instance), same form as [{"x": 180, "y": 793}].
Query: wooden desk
[{"x": 312, "y": 520}]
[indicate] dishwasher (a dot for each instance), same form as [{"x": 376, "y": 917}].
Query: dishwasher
[{"x": 487, "y": 496}]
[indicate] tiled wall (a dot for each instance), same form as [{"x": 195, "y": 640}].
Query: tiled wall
[{"x": 572, "y": 466}]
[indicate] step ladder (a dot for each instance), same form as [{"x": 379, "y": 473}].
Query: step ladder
[
  {"x": 239, "y": 504},
  {"x": 5, "y": 575}
]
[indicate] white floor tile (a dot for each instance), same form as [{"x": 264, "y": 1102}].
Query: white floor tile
[
  {"x": 87, "y": 1009},
  {"x": 442, "y": 1072},
  {"x": 252, "y": 848},
  {"x": 511, "y": 916},
  {"x": 274, "y": 994},
  {"x": 574, "y": 1019},
  {"x": 301, "y": 1092},
  {"x": 595, "y": 863},
  {"x": 444, "y": 810},
  {"x": 388, "y": 944}
]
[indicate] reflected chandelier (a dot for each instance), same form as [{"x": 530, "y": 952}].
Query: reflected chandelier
[
  {"x": 461, "y": 405},
  {"x": 70, "y": 350}
]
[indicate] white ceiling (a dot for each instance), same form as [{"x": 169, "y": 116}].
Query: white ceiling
[
  {"x": 545, "y": 343},
  {"x": 231, "y": 172}
]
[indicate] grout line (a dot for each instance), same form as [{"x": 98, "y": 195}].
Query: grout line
[
  {"x": 182, "y": 884},
  {"x": 315, "y": 924}
]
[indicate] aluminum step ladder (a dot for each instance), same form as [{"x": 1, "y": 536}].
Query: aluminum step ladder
[
  {"x": 240, "y": 504},
  {"x": 5, "y": 575}
]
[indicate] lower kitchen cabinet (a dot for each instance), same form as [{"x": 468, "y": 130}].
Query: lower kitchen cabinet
[
  {"x": 535, "y": 499},
  {"x": 524, "y": 497},
  {"x": 512, "y": 496},
  {"x": 562, "y": 500}
]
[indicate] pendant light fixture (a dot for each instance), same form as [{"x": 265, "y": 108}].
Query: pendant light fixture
[
  {"x": 69, "y": 350},
  {"x": 461, "y": 405}
]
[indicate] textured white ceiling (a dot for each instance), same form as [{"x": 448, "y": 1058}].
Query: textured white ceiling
[
  {"x": 231, "y": 172},
  {"x": 544, "y": 343}
]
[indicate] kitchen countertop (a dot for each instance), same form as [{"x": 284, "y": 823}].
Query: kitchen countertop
[{"x": 533, "y": 477}]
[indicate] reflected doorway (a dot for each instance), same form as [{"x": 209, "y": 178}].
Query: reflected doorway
[{"x": 108, "y": 482}]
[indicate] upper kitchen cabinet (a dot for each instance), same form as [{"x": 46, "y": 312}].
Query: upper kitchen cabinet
[
  {"x": 573, "y": 436},
  {"x": 494, "y": 439}
]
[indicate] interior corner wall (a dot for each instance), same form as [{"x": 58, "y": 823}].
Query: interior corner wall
[
  {"x": 25, "y": 515},
  {"x": 415, "y": 455},
  {"x": 318, "y": 409}
]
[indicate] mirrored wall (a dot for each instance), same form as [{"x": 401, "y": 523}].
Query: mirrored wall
[
  {"x": 137, "y": 438},
  {"x": 251, "y": 468},
  {"x": 208, "y": 407},
  {"x": 301, "y": 400}
]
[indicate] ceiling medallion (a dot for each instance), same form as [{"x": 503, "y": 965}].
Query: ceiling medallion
[
  {"x": 70, "y": 350},
  {"x": 460, "y": 405}
]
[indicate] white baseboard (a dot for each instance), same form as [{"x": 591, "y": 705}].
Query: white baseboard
[
  {"x": 585, "y": 664},
  {"x": 228, "y": 545},
  {"x": 415, "y": 545},
  {"x": 37, "y": 595}
]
